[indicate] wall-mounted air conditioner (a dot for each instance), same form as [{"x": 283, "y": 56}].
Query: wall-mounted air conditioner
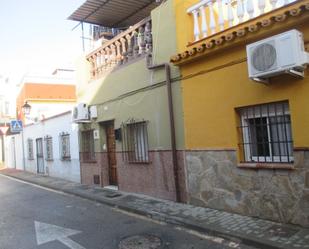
[
  {"x": 93, "y": 112},
  {"x": 80, "y": 113},
  {"x": 279, "y": 54}
]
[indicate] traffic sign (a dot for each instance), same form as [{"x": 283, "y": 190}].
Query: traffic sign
[
  {"x": 4, "y": 129},
  {"x": 16, "y": 126}
]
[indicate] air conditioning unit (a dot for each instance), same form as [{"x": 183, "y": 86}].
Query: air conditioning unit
[
  {"x": 80, "y": 113},
  {"x": 279, "y": 54},
  {"x": 93, "y": 112}
]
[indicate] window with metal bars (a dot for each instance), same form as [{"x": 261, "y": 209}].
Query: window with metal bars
[
  {"x": 266, "y": 133},
  {"x": 88, "y": 154},
  {"x": 30, "y": 149},
  {"x": 135, "y": 142},
  {"x": 48, "y": 148},
  {"x": 65, "y": 153}
]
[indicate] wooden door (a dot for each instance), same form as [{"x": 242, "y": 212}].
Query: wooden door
[{"x": 111, "y": 151}]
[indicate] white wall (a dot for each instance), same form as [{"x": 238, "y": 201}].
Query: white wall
[
  {"x": 13, "y": 151},
  {"x": 69, "y": 170},
  {"x": 42, "y": 110},
  {"x": 8, "y": 94}
]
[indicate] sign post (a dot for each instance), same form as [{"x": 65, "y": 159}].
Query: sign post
[{"x": 17, "y": 126}]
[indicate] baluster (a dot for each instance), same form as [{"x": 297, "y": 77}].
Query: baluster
[
  {"x": 98, "y": 59},
  {"x": 130, "y": 46},
  {"x": 250, "y": 8},
  {"x": 98, "y": 55},
  {"x": 273, "y": 4},
  {"x": 136, "y": 45},
  {"x": 141, "y": 38},
  {"x": 148, "y": 36},
  {"x": 230, "y": 14},
  {"x": 124, "y": 50},
  {"x": 262, "y": 5},
  {"x": 103, "y": 59},
  {"x": 212, "y": 22},
  {"x": 92, "y": 65},
  {"x": 118, "y": 54},
  {"x": 108, "y": 57},
  {"x": 204, "y": 22},
  {"x": 196, "y": 25},
  {"x": 113, "y": 57},
  {"x": 220, "y": 14},
  {"x": 240, "y": 11}
]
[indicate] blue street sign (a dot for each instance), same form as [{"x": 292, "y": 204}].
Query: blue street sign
[{"x": 16, "y": 126}]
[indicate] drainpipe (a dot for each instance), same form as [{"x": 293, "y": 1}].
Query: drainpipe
[{"x": 166, "y": 66}]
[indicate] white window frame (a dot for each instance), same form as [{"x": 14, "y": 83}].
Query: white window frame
[
  {"x": 246, "y": 137},
  {"x": 67, "y": 155},
  {"x": 7, "y": 108}
]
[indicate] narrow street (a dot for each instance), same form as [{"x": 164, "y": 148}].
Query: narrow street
[
  {"x": 33, "y": 217},
  {"x": 154, "y": 124}
]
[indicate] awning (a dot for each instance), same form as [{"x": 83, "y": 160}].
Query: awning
[{"x": 113, "y": 13}]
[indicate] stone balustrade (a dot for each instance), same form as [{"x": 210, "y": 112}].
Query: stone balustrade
[
  {"x": 210, "y": 17},
  {"x": 128, "y": 45}
]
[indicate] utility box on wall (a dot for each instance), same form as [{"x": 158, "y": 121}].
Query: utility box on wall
[
  {"x": 279, "y": 54},
  {"x": 80, "y": 113},
  {"x": 93, "y": 112}
]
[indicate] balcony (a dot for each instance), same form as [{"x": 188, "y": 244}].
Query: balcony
[
  {"x": 123, "y": 48},
  {"x": 211, "y": 17}
]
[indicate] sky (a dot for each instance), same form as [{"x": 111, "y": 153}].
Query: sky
[{"x": 36, "y": 36}]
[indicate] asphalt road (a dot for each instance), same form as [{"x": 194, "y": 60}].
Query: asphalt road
[{"x": 33, "y": 217}]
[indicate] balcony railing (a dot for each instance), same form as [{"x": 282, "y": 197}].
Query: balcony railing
[
  {"x": 128, "y": 45},
  {"x": 211, "y": 17}
]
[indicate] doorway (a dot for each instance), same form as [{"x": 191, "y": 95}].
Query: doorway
[
  {"x": 111, "y": 153},
  {"x": 39, "y": 156}
]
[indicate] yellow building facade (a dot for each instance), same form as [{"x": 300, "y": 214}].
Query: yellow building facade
[{"x": 246, "y": 142}]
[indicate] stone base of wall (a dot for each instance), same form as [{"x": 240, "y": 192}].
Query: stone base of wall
[
  {"x": 154, "y": 179},
  {"x": 215, "y": 181},
  {"x": 96, "y": 167},
  {"x": 88, "y": 171}
]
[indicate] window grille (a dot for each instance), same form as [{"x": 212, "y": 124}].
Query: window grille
[
  {"x": 30, "y": 149},
  {"x": 88, "y": 153},
  {"x": 135, "y": 142},
  {"x": 48, "y": 148},
  {"x": 266, "y": 133},
  {"x": 65, "y": 146}
]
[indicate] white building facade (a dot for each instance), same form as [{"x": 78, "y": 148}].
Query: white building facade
[
  {"x": 50, "y": 148},
  {"x": 7, "y": 110},
  {"x": 13, "y": 151}
]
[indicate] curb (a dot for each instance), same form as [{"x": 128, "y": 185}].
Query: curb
[{"x": 158, "y": 216}]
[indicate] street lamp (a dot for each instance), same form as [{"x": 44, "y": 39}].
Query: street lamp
[{"x": 26, "y": 108}]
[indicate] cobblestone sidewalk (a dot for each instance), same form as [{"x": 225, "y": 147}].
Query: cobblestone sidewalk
[{"x": 257, "y": 232}]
